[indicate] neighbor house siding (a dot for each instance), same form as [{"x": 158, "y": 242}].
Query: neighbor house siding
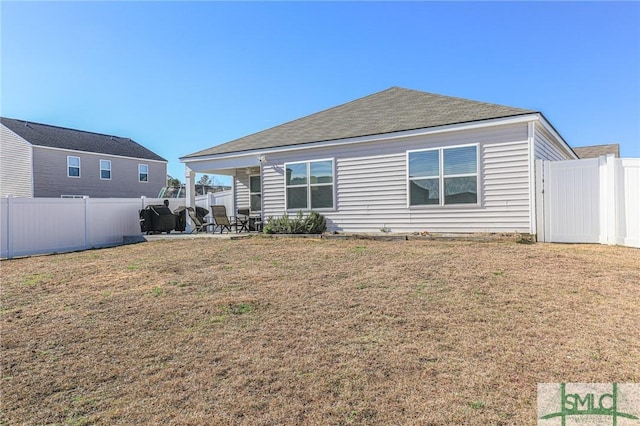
[
  {"x": 546, "y": 147},
  {"x": 51, "y": 180},
  {"x": 371, "y": 184},
  {"x": 15, "y": 165}
]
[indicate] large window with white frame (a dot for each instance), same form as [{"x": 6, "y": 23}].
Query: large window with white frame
[
  {"x": 255, "y": 193},
  {"x": 73, "y": 166},
  {"x": 443, "y": 176},
  {"x": 105, "y": 169},
  {"x": 310, "y": 185},
  {"x": 143, "y": 173}
]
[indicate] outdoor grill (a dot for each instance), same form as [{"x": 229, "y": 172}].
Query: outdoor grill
[{"x": 156, "y": 219}]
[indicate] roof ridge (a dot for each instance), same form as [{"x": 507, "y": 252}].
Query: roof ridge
[
  {"x": 330, "y": 108},
  {"x": 48, "y": 135},
  {"x": 387, "y": 111},
  {"x": 309, "y": 115},
  {"x": 342, "y": 104},
  {"x": 68, "y": 128},
  {"x": 600, "y": 144},
  {"x": 461, "y": 99}
]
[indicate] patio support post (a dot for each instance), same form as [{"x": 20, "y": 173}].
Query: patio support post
[{"x": 190, "y": 186}]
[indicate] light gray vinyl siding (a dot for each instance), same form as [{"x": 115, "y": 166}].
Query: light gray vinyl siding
[
  {"x": 242, "y": 190},
  {"x": 272, "y": 190},
  {"x": 371, "y": 184},
  {"x": 15, "y": 165},
  {"x": 546, "y": 147},
  {"x": 51, "y": 180}
]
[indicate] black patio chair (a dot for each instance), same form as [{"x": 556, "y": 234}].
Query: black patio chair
[{"x": 243, "y": 219}]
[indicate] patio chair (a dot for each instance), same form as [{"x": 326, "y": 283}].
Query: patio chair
[
  {"x": 199, "y": 225},
  {"x": 243, "y": 220},
  {"x": 221, "y": 219}
]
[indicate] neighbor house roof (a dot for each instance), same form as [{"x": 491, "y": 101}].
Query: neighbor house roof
[
  {"x": 77, "y": 140},
  {"x": 392, "y": 110},
  {"x": 595, "y": 151}
]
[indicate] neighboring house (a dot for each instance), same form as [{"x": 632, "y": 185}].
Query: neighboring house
[
  {"x": 595, "y": 151},
  {"x": 398, "y": 159},
  {"x": 39, "y": 160}
]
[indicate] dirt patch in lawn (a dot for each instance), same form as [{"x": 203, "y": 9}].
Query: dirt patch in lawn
[{"x": 266, "y": 331}]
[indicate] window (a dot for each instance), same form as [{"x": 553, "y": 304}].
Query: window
[
  {"x": 443, "y": 176},
  {"x": 255, "y": 193},
  {"x": 143, "y": 173},
  {"x": 105, "y": 169},
  {"x": 73, "y": 166},
  {"x": 309, "y": 185}
]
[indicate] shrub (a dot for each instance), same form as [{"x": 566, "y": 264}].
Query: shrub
[{"x": 314, "y": 223}]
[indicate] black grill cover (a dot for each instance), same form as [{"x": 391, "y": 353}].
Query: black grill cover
[{"x": 157, "y": 218}]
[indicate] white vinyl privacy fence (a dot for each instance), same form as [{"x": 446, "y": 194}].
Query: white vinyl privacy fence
[
  {"x": 50, "y": 225},
  {"x": 594, "y": 200}
]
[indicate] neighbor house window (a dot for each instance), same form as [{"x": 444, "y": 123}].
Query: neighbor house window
[
  {"x": 443, "y": 176},
  {"x": 105, "y": 169},
  {"x": 73, "y": 166},
  {"x": 309, "y": 185},
  {"x": 143, "y": 173},
  {"x": 255, "y": 193}
]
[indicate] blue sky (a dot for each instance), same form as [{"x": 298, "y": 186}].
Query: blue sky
[{"x": 179, "y": 77}]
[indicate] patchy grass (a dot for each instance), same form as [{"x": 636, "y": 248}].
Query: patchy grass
[{"x": 271, "y": 331}]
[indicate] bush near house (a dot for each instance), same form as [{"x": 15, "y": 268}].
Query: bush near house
[{"x": 314, "y": 223}]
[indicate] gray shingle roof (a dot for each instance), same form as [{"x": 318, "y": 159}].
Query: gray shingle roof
[
  {"x": 78, "y": 140},
  {"x": 392, "y": 110},
  {"x": 595, "y": 151}
]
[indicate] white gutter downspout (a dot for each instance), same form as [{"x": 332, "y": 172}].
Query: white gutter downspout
[{"x": 532, "y": 179}]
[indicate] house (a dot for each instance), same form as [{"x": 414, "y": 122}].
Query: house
[
  {"x": 400, "y": 159},
  {"x": 595, "y": 151},
  {"x": 40, "y": 160}
]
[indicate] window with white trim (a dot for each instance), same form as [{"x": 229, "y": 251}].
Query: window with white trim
[
  {"x": 73, "y": 166},
  {"x": 143, "y": 173},
  {"x": 255, "y": 193},
  {"x": 105, "y": 169},
  {"x": 309, "y": 185},
  {"x": 443, "y": 176}
]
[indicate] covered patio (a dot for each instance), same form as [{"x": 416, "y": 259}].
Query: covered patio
[{"x": 246, "y": 183}]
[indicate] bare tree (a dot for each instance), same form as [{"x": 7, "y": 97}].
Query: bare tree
[
  {"x": 204, "y": 180},
  {"x": 171, "y": 181}
]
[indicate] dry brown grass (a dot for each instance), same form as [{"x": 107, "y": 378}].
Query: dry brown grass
[{"x": 270, "y": 332}]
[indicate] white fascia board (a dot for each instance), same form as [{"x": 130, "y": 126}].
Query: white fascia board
[
  {"x": 223, "y": 163},
  {"x": 97, "y": 153},
  {"x": 364, "y": 139},
  {"x": 549, "y": 128}
]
